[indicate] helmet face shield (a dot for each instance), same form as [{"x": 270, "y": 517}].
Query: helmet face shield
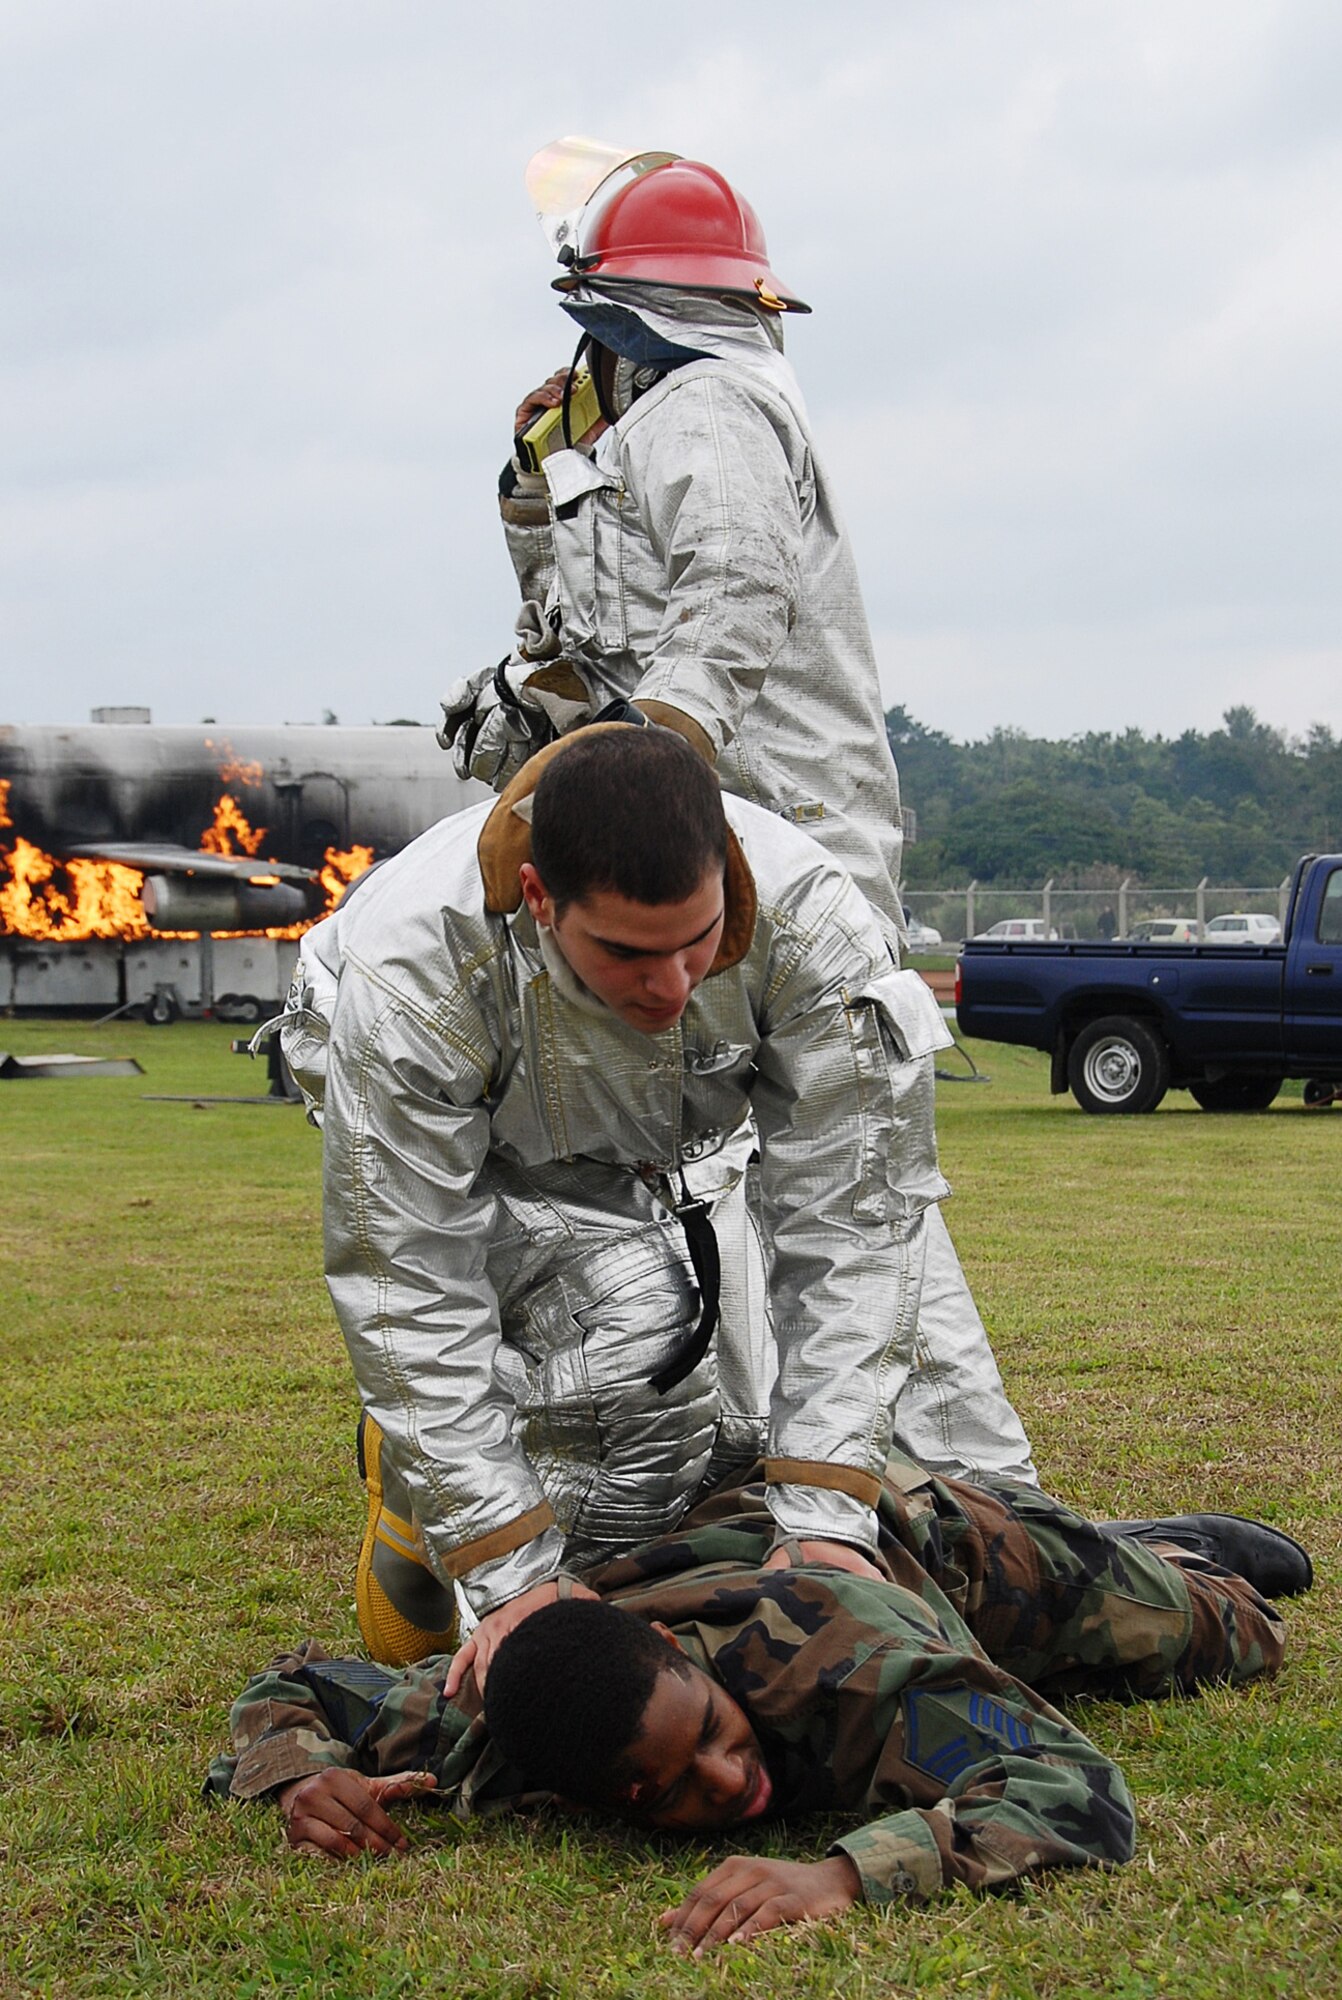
[{"x": 563, "y": 177}]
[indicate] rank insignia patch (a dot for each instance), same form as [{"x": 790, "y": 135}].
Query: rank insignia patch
[{"x": 948, "y": 1730}]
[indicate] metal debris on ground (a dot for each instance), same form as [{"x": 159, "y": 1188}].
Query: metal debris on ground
[{"x": 15, "y": 1068}]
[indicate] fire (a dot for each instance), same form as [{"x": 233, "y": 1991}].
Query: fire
[
  {"x": 230, "y": 831},
  {"x": 234, "y": 770},
  {"x": 66, "y": 902},
  {"x": 341, "y": 867},
  {"x": 53, "y": 901}
]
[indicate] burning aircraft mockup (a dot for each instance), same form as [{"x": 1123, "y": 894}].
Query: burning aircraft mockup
[
  {"x": 118, "y": 838},
  {"x": 127, "y": 831}
]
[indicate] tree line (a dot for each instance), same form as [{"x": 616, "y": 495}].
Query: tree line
[{"x": 1239, "y": 804}]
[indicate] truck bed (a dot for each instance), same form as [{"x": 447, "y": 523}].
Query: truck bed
[{"x": 1037, "y": 988}]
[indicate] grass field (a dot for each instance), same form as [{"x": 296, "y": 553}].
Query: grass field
[{"x": 179, "y": 1500}]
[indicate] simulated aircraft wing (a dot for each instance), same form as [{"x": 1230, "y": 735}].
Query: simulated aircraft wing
[{"x": 165, "y": 858}]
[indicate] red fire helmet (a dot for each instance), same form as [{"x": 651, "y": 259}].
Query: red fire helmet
[{"x": 681, "y": 224}]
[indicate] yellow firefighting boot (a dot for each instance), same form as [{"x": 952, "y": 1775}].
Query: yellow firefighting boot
[{"x": 404, "y": 1612}]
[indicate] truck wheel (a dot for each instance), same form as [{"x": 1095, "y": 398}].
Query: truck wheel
[
  {"x": 1236, "y": 1093},
  {"x": 1118, "y": 1064},
  {"x": 160, "y": 1009},
  {"x": 1319, "y": 1095}
]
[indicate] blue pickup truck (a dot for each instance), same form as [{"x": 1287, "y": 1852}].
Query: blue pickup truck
[{"x": 1126, "y": 1022}]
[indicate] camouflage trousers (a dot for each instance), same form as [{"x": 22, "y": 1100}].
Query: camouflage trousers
[
  {"x": 1052, "y": 1600},
  {"x": 1069, "y": 1609}
]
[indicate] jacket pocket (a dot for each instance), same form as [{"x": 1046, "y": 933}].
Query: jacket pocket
[
  {"x": 906, "y": 1004},
  {"x": 896, "y": 1026},
  {"x": 589, "y": 551}
]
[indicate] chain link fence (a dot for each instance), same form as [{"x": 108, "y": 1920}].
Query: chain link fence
[{"x": 1088, "y": 913}]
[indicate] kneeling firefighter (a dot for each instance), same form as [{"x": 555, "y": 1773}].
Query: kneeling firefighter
[{"x": 542, "y": 1041}]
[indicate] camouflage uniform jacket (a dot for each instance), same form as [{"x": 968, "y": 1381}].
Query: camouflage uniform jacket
[{"x": 871, "y": 1698}]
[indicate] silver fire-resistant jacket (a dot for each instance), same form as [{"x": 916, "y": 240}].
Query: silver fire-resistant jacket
[
  {"x": 499, "y": 1162},
  {"x": 698, "y": 559}
]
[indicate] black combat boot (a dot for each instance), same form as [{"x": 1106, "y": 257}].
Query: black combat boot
[{"x": 1269, "y": 1560}]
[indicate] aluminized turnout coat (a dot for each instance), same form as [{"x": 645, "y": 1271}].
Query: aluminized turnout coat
[
  {"x": 697, "y": 558},
  {"x": 500, "y": 1159}
]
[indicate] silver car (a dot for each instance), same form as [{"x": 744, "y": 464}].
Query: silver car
[
  {"x": 1251, "y": 927},
  {"x": 921, "y": 937},
  {"x": 1027, "y": 929}
]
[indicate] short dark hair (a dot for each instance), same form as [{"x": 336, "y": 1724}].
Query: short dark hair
[
  {"x": 636, "y": 811},
  {"x": 567, "y": 1692}
]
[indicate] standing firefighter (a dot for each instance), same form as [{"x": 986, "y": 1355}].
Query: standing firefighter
[{"x": 692, "y": 569}]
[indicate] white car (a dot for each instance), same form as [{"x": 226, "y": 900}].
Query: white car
[
  {"x": 1033, "y": 929},
  {"x": 921, "y": 936},
  {"x": 1250, "y": 927},
  {"x": 1163, "y": 930}
]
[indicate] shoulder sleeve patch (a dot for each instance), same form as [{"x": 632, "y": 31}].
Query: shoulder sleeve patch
[
  {"x": 949, "y": 1730},
  {"x": 350, "y": 1693}
]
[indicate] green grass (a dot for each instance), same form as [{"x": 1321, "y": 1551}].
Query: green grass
[{"x": 180, "y": 1500}]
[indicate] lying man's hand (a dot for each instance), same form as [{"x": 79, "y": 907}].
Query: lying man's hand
[
  {"x": 838, "y": 1555},
  {"x": 339, "y": 1812},
  {"x": 494, "y": 1627},
  {"x": 749, "y": 1894}
]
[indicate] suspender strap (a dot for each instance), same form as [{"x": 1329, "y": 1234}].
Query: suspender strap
[{"x": 702, "y": 1244}]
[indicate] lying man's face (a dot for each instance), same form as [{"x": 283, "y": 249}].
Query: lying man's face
[{"x": 696, "y": 1763}]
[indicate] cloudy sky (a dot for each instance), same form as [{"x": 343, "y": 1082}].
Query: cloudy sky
[{"x": 272, "y": 289}]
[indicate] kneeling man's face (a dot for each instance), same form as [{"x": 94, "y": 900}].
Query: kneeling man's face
[
  {"x": 643, "y": 959},
  {"x": 696, "y": 1762}
]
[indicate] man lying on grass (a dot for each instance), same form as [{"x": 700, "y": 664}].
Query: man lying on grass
[{"x": 705, "y": 1692}]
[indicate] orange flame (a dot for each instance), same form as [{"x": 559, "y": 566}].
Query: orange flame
[
  {"x": 341, "y": 867},
  {"x": 65, "y": 902},
  {"x": 231, "y": 831},
  {"x": 234, "y": 770},
  {"x": 58, "y": 901}
]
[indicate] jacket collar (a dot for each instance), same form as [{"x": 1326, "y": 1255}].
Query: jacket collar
[{"x": 505, "y": 843}]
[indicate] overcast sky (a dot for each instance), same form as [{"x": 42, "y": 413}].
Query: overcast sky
[{"x": 272, "y": 288}]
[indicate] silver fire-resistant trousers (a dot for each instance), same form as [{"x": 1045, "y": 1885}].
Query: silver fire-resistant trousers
[{"x": 955, "y": 1388}]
